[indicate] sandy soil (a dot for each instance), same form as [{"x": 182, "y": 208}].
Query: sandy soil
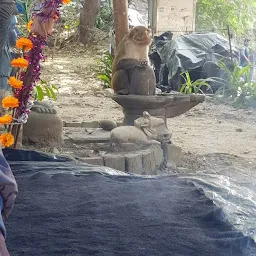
[{"x": 209, "y": 133}]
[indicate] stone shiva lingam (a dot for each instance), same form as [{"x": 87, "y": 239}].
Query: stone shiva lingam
[
  {"x": 134, "y": 83},
  {"x": 44, "y": 127}
]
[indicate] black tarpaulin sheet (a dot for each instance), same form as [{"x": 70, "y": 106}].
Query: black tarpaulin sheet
[
  {"x": 68, "y": 208},
  {"x": 198, "y": 52}
]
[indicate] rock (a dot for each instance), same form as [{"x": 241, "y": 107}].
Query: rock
[
  {"x": 107, "y": 125},
  {"x": 109, "y": 92},
  {"x": 239, "y": 130}
]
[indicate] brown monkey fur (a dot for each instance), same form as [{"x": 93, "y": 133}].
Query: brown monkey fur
[{"x": 131, "y": 73}]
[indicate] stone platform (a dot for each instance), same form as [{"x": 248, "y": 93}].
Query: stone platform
[{"x": 92, "y": 146}]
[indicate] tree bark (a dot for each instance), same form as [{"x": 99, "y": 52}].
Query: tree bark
[
  {"x": 120, "y": 9},
  {"x": 87, "y": 19}
]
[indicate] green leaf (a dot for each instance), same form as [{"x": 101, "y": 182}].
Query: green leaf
[
  {"x": 39, "y": 93},
  {"x": 53, "y": 95},
  {"x": 182, "y": 89},
  {"x": 48, "y": 92},
  {"x": 55, "y": 88},
  {"x": 104, "y": 78}
]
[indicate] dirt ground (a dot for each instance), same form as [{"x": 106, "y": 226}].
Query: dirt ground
[{"x": 209, "y": 134}]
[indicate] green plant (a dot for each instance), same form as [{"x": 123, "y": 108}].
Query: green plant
[
  {"x": 236, "y": 75},
  {"x": 238, "y": 85},
  {"x": 104, "y": 19},
  {"x": 104, "y": 69},
  {"x": 25, "y": 8},
  {"x": 43, "y": 89},
  {"x": 193, "y": 86}
]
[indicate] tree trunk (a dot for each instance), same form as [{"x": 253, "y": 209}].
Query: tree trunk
[
  {"x": 87, "y": 19},
  {"x": 120, "y": 10}
]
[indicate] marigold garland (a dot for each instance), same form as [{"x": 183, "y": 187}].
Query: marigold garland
[
  {"x": 10, "y": 102},
  {"x": 15, "y": 83},
  {"x": 6, "y": 119},
  {"x": 19, "y": 62},
  {"x": 23, "y": 87},
  {"x": 24, "y": 43},
  {"x": 7, "y": 139}
]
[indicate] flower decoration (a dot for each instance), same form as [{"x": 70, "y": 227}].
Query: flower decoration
[
  {"x": 24, "y": 43},
  {"x": 19, "y": 62},
  {"x": 15, "y": 83},
  {"x": 28, "y": 73},
  {"x": 7, "y": 139},
  {"x": 6, "y": 119},
  {"x": 29, "y": 25},
  {"x": 10, "y": 102}
]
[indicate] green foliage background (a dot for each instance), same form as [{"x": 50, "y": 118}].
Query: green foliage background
[{"x": 217, "y": 14}]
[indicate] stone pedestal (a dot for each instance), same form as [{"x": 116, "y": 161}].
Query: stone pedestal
[{"x": 158, "y": 106}]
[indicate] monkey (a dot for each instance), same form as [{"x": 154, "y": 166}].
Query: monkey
[{"x": 131, "y": 72}]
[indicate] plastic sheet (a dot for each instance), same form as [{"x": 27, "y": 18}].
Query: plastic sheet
[
  {"x": 197, "y": 53},
  {"x": 69, "y": 208},
  {"x": 236, "y": 197}
]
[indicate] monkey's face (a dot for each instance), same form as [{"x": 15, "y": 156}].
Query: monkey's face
[{"x": 140, "y": 35}]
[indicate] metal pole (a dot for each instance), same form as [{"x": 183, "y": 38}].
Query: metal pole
[
  {"x": 120, "y": 9},
  {"x": 230, "y": 45}
]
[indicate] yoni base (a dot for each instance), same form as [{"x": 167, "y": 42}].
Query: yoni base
[{"x": 159, "y": 106}]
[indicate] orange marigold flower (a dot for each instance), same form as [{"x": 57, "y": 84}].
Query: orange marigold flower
[
  {"x": 29, "y": 25},
  {"x": 24, "y": 43},
  {"x": 65, "y": 1},
  {"x": 6, "y": 139},
  {"x": 19, "y": 62},
  {"x": 15, "y": 83},
  {"x": 10, "y": 102},
  {"x": 6, "y": 119}
]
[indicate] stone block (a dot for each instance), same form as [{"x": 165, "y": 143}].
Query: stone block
[
  {"x": 148, "y": 162},
  {"x": 133, "y": 163},
  {"x": 174, "y": 154},
  {"x": 72, "y": 124},
  {"x": 98, "y": 160},
  {"x": 116, "y": 162},
  {"x": 93, "y": 124},
  {"x": 158, "y": 155}
]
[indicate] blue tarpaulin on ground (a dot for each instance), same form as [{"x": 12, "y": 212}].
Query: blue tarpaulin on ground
[{"x": 70, "y": 208}]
